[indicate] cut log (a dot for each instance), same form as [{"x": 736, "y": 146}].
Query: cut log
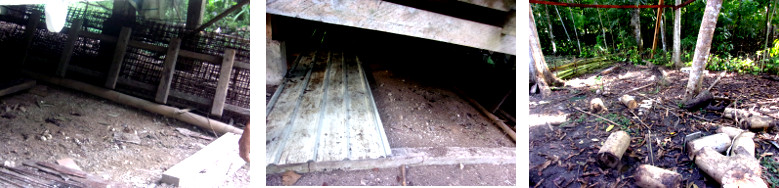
[
  {"x": 754, "y": 120},
  {"x": 611, "y": 152},
  {"x": 732, "y": 132},
  {"x": 701, "y": 100},
  {"x": 629, "y": 101},
  {"x": 737, "y": 171},
  {"x": 652, "y": 176},
  {"x": 744, "y": 140},
  {"x": 597, "y": 106},
  {"x": 719, "y": 142}
]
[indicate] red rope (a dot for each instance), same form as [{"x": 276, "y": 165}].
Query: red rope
[{"x": 610, "y": 6}]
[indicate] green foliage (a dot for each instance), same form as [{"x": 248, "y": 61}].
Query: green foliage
[
  {"x": 236, "y": 22},
  {"x": 772, "y": 170},
  {"x": 733, "y": 64},
  {"x": 624, "y": 122}
]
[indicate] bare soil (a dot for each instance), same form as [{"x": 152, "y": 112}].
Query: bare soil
[
  {"x": 122, "y": 144},
  {"x": 423, "y": 113},
  {"x": 563, "y": 155}
]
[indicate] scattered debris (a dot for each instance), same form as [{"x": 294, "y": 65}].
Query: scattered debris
[
  {"x": 740, "y": 170},
  {"x": 68, "y": 162},
  {"x": 193, "y": 134},
  {"x": 289, "y": 178}
]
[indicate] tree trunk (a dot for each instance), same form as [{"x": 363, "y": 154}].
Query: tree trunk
[
  {"x": 603, "y": 29},
  {"x": 576, "y": 33},
  {"x": 768, "y": 30},
  {"x": 677, "y": 57},
  {"x": 636, "y": 23},
  {"x": 702, "y": 47},
  {"x": 551, "y": 32},
  {"x": 662, "y": 32},
  {"x": 539, "y": 71}
]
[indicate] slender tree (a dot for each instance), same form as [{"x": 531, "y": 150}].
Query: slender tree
[
  {"x": 702, "y": 47},
  {"x": 677, "y": 36},
  {"x": 562, "y": 23},
  {"x": 576, "y": 33},
  {"x": 603, "y": 29},
  {"x": 635, "y": 21},
  {"x": 551, "y": 33}
]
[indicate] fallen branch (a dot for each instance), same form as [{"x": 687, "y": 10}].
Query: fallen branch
[
  {"x": 629, "y": 101},
  {"x": 615, "y": 124}
]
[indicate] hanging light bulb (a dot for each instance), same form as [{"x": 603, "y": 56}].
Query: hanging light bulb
[{"x": 56, "y": 14}]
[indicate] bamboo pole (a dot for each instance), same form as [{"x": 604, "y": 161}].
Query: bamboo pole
[
  {"x": 182, "y": 115},
  {"x": 657, "y": 29},
  {"x": 487, "y": 113}
]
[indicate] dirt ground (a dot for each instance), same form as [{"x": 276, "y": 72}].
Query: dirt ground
[
  {"x": 563, "y": 155},
  {"x": 420, "y": 113},
  {"x": 48, "y": 123}
]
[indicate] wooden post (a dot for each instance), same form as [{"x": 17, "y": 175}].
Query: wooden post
[
  {"x": 195, "y": 13},
  {"x": 224, "y": 80},
  {"x": 29, "y": 33},
  {"x": 657, "y": 29},
  {"x": 167, "y": 72},
  {"x": 69, "y": 45},
  {"x": 116, "y": 64}
]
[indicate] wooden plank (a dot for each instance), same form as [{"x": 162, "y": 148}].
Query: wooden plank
[
  {"x": 101, "y": 37},
  {"x": 334, "y": 145},
  {"x": 502, "y": 5},
  {"x": 199, "y": 56},
  {"x": 209, "y": 167},
  {"x": 282, "y": 113},
  {"x": 411, "y": 157},
  {"x": 224, "y": 79},
  {"x": 116, "y": 63},
  {"x": 242, "y": 65},
  {"x": 302, "y": 140},
  {"x": 29, "y": 33},
  {"x": 361, "y": 123},
  {"x": 167, "y": 72},
  {"x": 67, "y": 51},
  {"x": 85, "y": 71},
  {"x": 147, "y": 46},
  {"x": 18, "y": 87},
  {"x": 394, "y": 18}
]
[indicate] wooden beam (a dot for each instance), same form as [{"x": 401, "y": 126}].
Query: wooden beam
[
  {"x": 29, "y": 33},
  {"x": 394, "y": 18},
  {"x": 27, "y": 84},
  {"x": 219, "y": 17},
  {"x": 195, "y": 12},
  {"x": 502, "y": 5},
  {"x": 199, "y": 56},
  {"x": 88, "y": 72},
  {"x": 224, "y": 79},
  {"x": 68, "y": 49},
  {"x": 116, "y": 63},
  {"x": 209, "y": 167},
  {"x": 492, "y": 117},
  {"x": 185, "y": 96},
  {"x": 167, "y": 72},
  {"x": 147, "y": 46},
  {"x": 101, "y": 37},
  {"x": 411, "y": 157},
  {"x": 657, "y": 29}
]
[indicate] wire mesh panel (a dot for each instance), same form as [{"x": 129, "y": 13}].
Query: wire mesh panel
[
  {"x": 238, "y": 90},
  {"x": 142, "y": 66},
  {"x": 200, "y": 81}
]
